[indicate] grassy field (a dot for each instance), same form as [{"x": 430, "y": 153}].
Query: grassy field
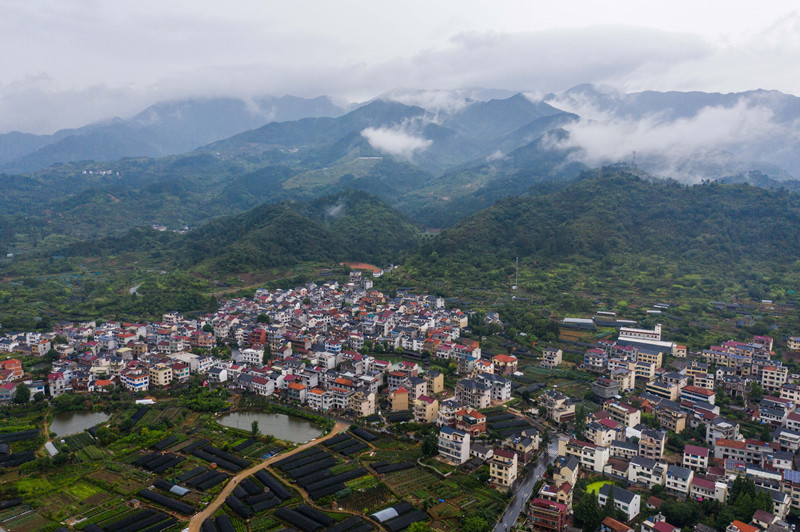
[{"x": 594, "y": 487}]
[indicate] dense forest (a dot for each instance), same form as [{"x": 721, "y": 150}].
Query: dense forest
[{"x": 611, "y": 235}]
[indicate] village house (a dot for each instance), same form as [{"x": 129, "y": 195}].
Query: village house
[
  {"x": 624, "y": 500},
  {"x": 453, "y": 445},
  {"x": 426, "y": 409},
  {"x": 695, "y": 458},
  {"x": 547, "y": 516},
  {"x": 551, "y": 357},
  {"x": 503, "y": 468}
]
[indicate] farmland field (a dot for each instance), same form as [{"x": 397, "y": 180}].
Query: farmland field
[
  {"x": 370, "y": 498},
  {"x": 410, "y": 480}
]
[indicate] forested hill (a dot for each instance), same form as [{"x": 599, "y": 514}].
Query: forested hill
[
  {"x": 347, "y": 226},
  {"x": 609, "y": 217}
]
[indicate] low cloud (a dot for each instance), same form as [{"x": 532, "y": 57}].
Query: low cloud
[
  {"x": 335, "y": 210},
  {"x": 395, "y": 141},
  {"x": 495, "y": 156},
  {"x": 715, "y": 140}
]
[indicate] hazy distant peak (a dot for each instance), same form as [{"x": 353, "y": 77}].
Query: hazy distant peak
[{"x": 444, "y": 101}]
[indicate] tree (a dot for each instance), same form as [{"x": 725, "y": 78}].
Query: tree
[
  {"x": 756, "y": 392},
  {"x": 208, "y": 328},
  {"x": 587, "y": 513},
  {"x": 23, "y": 394},
  {"x": 106, "y": 436},
  {"x": 580, "y": 421},
  {"x": 430, "y": 445},
  {"x": 546, "y": 438},
  {"x": 262, "y": 318},
  {"x": 38, "y": 397},
  {"x": 419, "y": 526},
  {"x": 609, "y": 510},
  {"x": 474, "y": 523},
  {"x": 52, "y": 355},
  {"x": 650, "y": 420},
  {"x": 681, "y": 514},
  {"x": 267, "y": 355},
  {"x": 254, "y": 428},
  {"x": 766, "y": 435}
]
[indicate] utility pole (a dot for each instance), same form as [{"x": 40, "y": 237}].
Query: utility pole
[{"x": 516, "y": 273}]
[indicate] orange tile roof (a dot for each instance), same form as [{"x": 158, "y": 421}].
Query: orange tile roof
[
  {"x": 731, "y": 443},
  {"x": 744, "y": 527}
]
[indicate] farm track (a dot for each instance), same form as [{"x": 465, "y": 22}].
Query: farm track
[{"x": 197, "y": 520}]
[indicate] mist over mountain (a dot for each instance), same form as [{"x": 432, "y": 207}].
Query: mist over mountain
[
  {"x": 437, "y": 165},
  {"x": 162, "y": 129},
  {"x": 688, "y": 136},
  {"x": 685, "y": 135}
]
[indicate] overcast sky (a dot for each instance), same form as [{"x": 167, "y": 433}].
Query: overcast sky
[{"x": 65, "y": 63}]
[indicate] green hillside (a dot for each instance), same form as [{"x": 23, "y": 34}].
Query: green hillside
[
  {"x": 348, "y": 226},
  {"x": 612, "y": 234},
  {"x": 145, "y": 272}
]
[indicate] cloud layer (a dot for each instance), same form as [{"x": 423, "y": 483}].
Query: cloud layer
[
  {"x": 717, "y": 139},
  {"x": 395, "y": 141},
  {"x": 66, "y": 63}
]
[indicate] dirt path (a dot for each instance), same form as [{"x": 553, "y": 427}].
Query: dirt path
[{"x": 197, "y": 521}]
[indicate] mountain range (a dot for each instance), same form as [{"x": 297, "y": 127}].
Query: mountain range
[
  {"x": 610, "y": 234},
  {"x": 437, "y": 165},
  {"x": 161, "y": 129}
]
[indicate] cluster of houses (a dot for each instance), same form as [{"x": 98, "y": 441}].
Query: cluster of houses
[
  {"x": 318, "y": 346},
  {"x": 460, "y": 429},
  {"x": 616, "y": 444},
  {"x": 305, "y": 345}
]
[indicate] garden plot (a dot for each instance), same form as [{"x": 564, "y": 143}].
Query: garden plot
[
  {"x": 410, "y": 480},
  {"x": 311, "y": 469},
  {"x": 346, "y": 444}
]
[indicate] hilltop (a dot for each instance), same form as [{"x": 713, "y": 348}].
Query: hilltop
[{"x": 612, "y": 232}]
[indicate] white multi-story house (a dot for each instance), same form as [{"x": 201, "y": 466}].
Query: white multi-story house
[
  {"x": 135, "y": 380},
  {"x": 646, "y": 472},
  {"x": 695, "y": 458},
  {"x": 503, "y": 468},
  {"x": 473, "y": 393},
  {"x": 624, "y": 500},
  {"x": 721, "y": 429},
  {"x": 703, "y": 488},
  {"x": 251, "y": 356},
  {"x": 589, "y": 455},
  {"x": 624, "y": 414},
  {"x": 773, "y": 377},
  {"x": 500, "y": 386},
  {"x": 454, "y": 445},
  {"x": 679, "y": 480},
  {"x": 559, "y": 407},
  {"x": 552, "y": 357}
]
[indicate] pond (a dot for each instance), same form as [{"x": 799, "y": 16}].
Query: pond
[
  {"x": 69, "y": 423},
  {"x": 281, "y": 426}
]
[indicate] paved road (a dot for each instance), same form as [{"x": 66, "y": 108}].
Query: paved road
[{"x": 523, "y": 491}]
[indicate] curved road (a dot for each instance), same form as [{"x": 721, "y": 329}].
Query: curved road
[
  {"x": 197, "y": 521},
  {"x": 523, "y": 491}
]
